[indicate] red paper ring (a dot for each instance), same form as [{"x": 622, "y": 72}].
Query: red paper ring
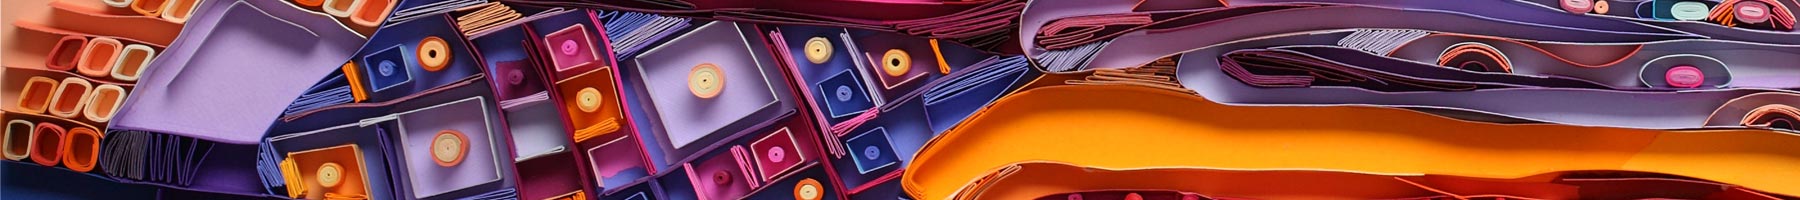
[
  {"x": 46, "y": 144},
  {"x": 66, "y": 53}
]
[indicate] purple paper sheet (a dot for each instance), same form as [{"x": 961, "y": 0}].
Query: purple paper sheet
[
  {"x": 1575, "y": 106},
  {"x": 231, "y": 48}
]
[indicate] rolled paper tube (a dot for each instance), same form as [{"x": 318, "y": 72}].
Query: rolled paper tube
[
  {"x": 104, "y": 102},
  {"x": 1689, "y": 10},
  {"x": 18, "y": 139},
  {"x": 66, "y": 53},
  {"x": 339, "y": 8},
  {"x": 46, "y": 144},
  {"x": 35, "y": 97},
  {"x": 1577, "y": 6},
  {"x": 371, "y": 12},
  {"x": 98, "y": 58},
  {"x": 81, "y": 149},
  {"x": 69, "y": 97},
  {"x": 117, "y": 3},
  {"x": 132, "y": 61},
  {"x": 149, "y": 7},
  {"x": 309, "y": 3},
  {"x": 179, "y": 10},
  {"x": 1751, "y": 12}
]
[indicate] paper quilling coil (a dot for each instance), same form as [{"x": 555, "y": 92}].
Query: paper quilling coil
[
  {"x": 896, "y": 62},
  {"x": 66, "y": 53},
  {"x": 179, "y": 10},
  {"x": 1689, "y": 10},
  {"x": 99, "y": 56},
  {"x": 588, "y": 99},
  {"x": 1601, "y": 7},
  {"x": 149, "y": 7},
  {"x": 1772, "y": 116},
  {"x": 117, "y": 3},
  {"x": 46, "y": 144},
  {"x": 18, "y": 139},
  {"x": 433, "y": 53},
  {"x": 1751, "y": 12},
  {"x": 1685, "y": 71},
  {"x": 132, "y": 61},
  {"x": 81, "y": 149},
  {"x": 1473, "y": 56},
  {"x": 36, "y": 96},
  {"x": 449, "y": 147},
  {"x": 1577, "y": 6},
  {"x": 104, "y": 103},
  {"x": 706, "y": 80},
  {"x": 808, "y": 189},
  {"x": 69, "y": 97},
  {"x": 339, "y": 8},
  {"x": 818, "y": 50},
  {"x": 371, "y": 12}
]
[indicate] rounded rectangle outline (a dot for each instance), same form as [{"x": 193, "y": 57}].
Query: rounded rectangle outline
[
  {"x": 29, "y": 134},
  {"x": 37, "y": 144},
  {"x": 86, "y": 64},
  {"x": 119, "y": 66},
  {"x": 93, "y": 98},
  {"x": 80, "y": 100},
  {"x": 23, "y": 93}
]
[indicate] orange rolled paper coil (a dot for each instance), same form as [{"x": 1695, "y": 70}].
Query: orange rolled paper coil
[
  {"x": 151, "y": 8},
  {"x": 98, "y": 58},
  {"x": 35, "y": 97},
  {"x": 81, "y": 149},
  {"x": 371, "y": 12}
]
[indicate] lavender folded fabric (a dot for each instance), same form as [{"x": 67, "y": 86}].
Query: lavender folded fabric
[{"x": 230, "y": 48}]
